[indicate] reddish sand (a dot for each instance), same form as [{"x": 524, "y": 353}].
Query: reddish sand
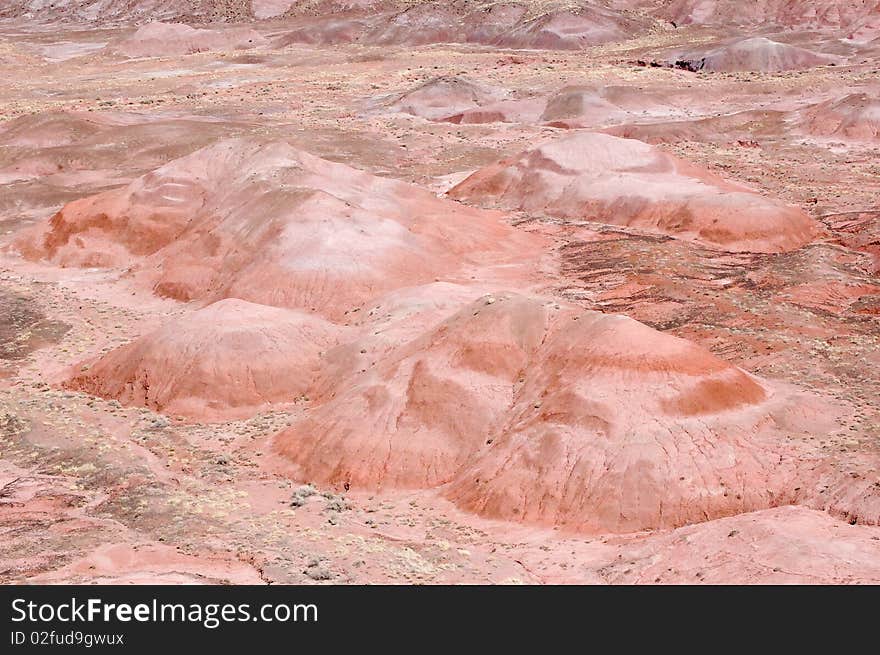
[
  {"x": 443, "y": 96},
  {"x": 270, "y": 8},
  {"x": 375, "y": 292},
  {"x": 625, "y": 182},
  {"x": 571, "y": 107},
  {"x": 52, "y": 130},
  {"x": 268, "y": 223},
  {"x": 174, "y": 39},
  {"x": 538, "y": 412},
  {"x": 833, "y": 297},
  {"x": 570, "y": 29},
  {"x": 126, "y": 564}
]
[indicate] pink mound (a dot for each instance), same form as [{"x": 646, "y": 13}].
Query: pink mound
[
  {"x": 443, "y": 96},
  {"x": 859, "y": 231},
  {"x": 174, "y": 39},
  {"x": 602, "y": 178},
  {"x": 328, "y": 30},
  {"x": 127, "y": 11},
  {"x": 834, "y": 297},
  {"x": 417, "y": 417},
  {"x": 152, "y": 563},
  {"x": 856, "y": 116},
  {"x": 671, "y": 132},
  {"x": 66, "y": 149},
  {"x": 783, "y": 545},
  {"x": 419, "y": 25},
  {"x": 271, "y": 8},
  {"x": 504, "y": 24},
  {"x": 835, "y": 14},
  {"x": 574, "y": 106},
  {"x": 60, "y": 128},
  {"x": 754, "y": 54},
  {"x": 275, "y": 225},
  {"x": 548, "y": 414},
  {"x": 742, "y": 125},
  {"x": 571, "y": 29},
  {"x": 505, "y": 111},
  {"x": 624, "y": 429},
  {"x": 226, "y": 360},
  {"x": 488, "y": 23},
  {"x": 586, "y": 106}
]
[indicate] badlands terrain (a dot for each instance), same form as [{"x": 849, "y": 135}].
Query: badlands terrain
[{"x": 367, "y": 291}]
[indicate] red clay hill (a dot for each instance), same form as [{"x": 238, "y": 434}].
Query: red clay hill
[
  {"x": 531, "y": 410},
  {"x": 230, "y": 359},
  {"x": 272, "y": 224},
  {"x": 606, "y": 179}
]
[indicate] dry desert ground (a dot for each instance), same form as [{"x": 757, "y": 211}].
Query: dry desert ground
[{"x": 377, "y": 291}]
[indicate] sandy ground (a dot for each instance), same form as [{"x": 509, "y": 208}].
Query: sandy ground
[{"x": 91, "y": 490}]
